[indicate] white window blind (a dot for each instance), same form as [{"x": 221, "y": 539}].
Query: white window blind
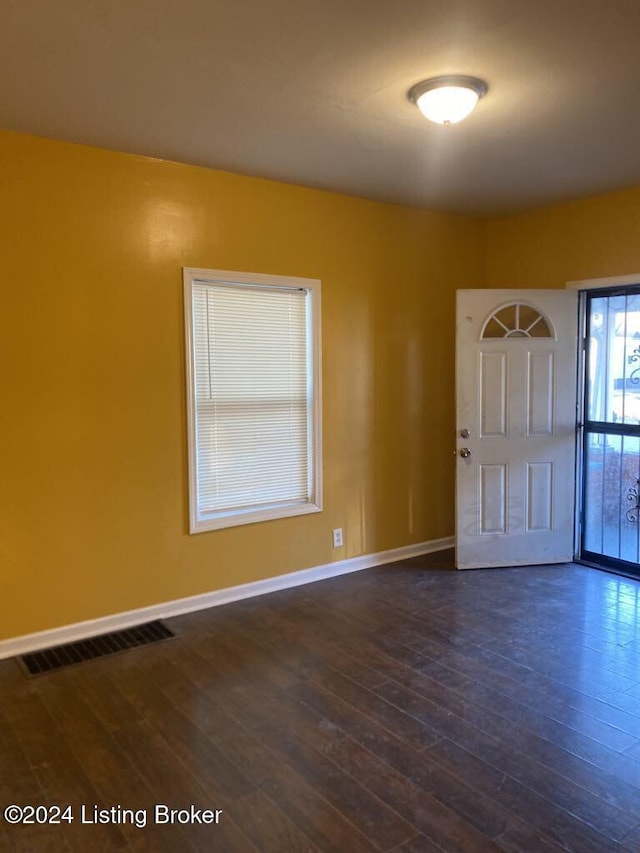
[{"x": 253, "y": 401}]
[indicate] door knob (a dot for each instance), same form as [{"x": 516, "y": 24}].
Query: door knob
[{"x": 465, "y": 452}]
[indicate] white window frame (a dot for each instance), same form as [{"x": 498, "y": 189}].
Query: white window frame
[{"x": 202, "y": 521}]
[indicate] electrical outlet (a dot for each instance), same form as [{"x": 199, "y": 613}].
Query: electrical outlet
[{"x": 337, "y": 538}]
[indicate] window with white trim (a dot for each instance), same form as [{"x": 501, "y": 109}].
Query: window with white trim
[{"x": 253, "y": 397}]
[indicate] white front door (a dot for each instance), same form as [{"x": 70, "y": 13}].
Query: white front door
[{"x": 516, "y": 383}]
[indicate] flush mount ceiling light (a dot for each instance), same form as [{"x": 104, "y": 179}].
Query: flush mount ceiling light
[{"x": 447, "y": 99}]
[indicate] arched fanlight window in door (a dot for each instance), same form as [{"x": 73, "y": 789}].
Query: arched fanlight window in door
[{"x": 517, "y": 320}]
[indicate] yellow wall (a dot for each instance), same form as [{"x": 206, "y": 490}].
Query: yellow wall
[
  {"x": 596, "y": 237},
  {"x": 93, "y": 515}
]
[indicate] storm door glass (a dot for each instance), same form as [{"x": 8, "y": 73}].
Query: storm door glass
[{"x": 611, "y": 505}]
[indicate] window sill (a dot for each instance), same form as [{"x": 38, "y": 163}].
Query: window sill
[{"x": 219, "y": 521}]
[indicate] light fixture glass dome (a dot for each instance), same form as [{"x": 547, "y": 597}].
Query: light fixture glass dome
[{"x": 448, "y": 99}]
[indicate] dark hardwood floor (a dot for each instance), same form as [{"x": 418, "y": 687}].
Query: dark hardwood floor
[{"x": 406, "y": 708}]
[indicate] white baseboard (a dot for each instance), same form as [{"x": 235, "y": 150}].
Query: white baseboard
[{"x": 94, "y": 627}]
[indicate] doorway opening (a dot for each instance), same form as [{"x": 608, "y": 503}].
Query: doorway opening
[{"x": 610, "y": 529}]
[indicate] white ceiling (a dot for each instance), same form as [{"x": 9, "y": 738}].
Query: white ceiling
[{"x": 314, "y": 91}]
